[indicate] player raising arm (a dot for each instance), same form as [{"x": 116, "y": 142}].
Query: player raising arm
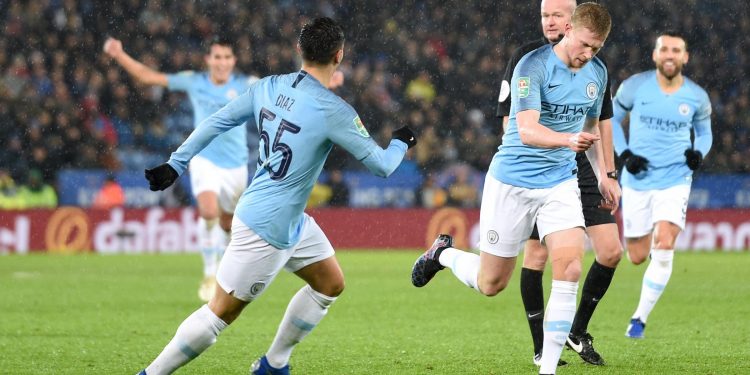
[
  {"x": 299, "y": 119},
  {"x": 218, "y": 175},
  {"x": 662, "y": 107}
]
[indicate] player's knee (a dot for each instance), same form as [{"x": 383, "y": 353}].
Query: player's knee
[
  {"x": 636, "y": 257},
  {"x": 227, "y": 312},
  {"x": 535, "y": 257},
  {"x": 566, "y": 269},
  {"x": 664, "y": 242},
  {"x": 208, "y": 213},
  {"x": 610, "y": 257},
  {"x": 331, "y": 289},
  {"x": 573, "y": 271},
  {"x": 336, "y": 289},
  {"x": 228, "y": 317},
  {"x": 566, "y": 264},
  {"x": 491, "y": 289}
]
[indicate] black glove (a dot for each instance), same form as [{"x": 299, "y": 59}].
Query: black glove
[
  {"x": 405, "y": 135},
  {"x": 634, "y": 163},
  {"x": 694, "y": 158},
  {"x": 161, "y": 177}
]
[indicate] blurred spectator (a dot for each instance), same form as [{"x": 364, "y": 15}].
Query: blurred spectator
[
  {"x": 36, "y": 193},
  {"x": 339, "y": 189},
  {"x": 462, "y": 191},
  {"x": 110, "y": 195},
  {"x": 425, "y": 150},
  {"x": 10, "y": 199},
  {"x": 320, "y": 195},
  {"x": 421, "y": 88},
  {"x": 431, "y": 195},
  {"x": 12, "y": 155}
]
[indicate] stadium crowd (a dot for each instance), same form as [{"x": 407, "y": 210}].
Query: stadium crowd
[{"x": 432, "y": 65}]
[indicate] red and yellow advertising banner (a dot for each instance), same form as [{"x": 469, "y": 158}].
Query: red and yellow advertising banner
[
  {"x": 74, "y": 230},
  {"x": 160, "y": 230}
]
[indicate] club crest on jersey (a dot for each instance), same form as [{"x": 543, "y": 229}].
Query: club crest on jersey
[
  {"x": 592, "y": 90},
  {"x": 231, "y": 94},
  {"x": 684, "y": 109},
  {"x": 361, "y": 127},
  {"x": 523, "y": 86}
]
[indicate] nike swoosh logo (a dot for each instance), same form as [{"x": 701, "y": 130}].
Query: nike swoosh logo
[
  {"x": 553, "y": 86},
  {"x": 595, "y": 299},
  {"x": 644, "y": 103},
  {"x": 576, "y": 347},
  {"x": 533, "y": 315}
]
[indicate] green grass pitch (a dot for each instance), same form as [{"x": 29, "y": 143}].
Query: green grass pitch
[{"x": 113, "y": 314}]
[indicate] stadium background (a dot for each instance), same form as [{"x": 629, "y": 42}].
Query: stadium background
[{"x": 70, "y": 115}]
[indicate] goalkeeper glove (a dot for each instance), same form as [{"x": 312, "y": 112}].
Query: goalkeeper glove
[
  {"x": 405, "y": 135},
  {"x": 694, "y": 158},
  {"x": 161, "y": 177},
  {"x": 634, "y": 163}
]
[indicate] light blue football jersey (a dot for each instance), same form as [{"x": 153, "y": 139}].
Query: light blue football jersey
[
  {"x": 542, "y": 82},
  {"x": 230, "y": 149},
  {"x": 659, "y": 129},
  {"x": 299, "y": 121}
]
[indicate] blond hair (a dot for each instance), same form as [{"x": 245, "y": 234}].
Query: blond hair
[{"x": 594, "y": 17}]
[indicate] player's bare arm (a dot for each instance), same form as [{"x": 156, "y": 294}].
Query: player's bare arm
[
  {"x": 595, "y": 154},
  {"x": 620, "y": 129},
  {"x": 633, "y": 163},
  {"x": 608, "y": 187},
  {"x": 605, "y": 131},
  {"x": 534, "y": 134},
  {"x": 608, "y": 148},
  {"x": 139, "y": 71}
]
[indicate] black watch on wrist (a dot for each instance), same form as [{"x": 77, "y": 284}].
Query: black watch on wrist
[{"x": 612, "y": 175}]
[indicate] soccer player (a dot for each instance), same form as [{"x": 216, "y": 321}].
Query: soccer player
[
  {"x": 663, "y": 107},
  {"x": 556, "y": 92},
  {"x": 218, "y": 175},
  {"x": 601, "y": 226},
  {"x": 299, "y": 120}
]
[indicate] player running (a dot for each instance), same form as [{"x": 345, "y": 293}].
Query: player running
[
  {"x": 600, "y": 222},
  {"x": 556, "y": 92},
  {"x": 218, "y": 175},
  {"x": 299, "y": 120},
  {"x": 663, "y": 107}
]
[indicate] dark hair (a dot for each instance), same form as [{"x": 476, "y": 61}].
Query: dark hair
[
  {"x": 218, "y": 40},
  {"x": 320, "y": 39},
  {"x": 674, "y": 34}
]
